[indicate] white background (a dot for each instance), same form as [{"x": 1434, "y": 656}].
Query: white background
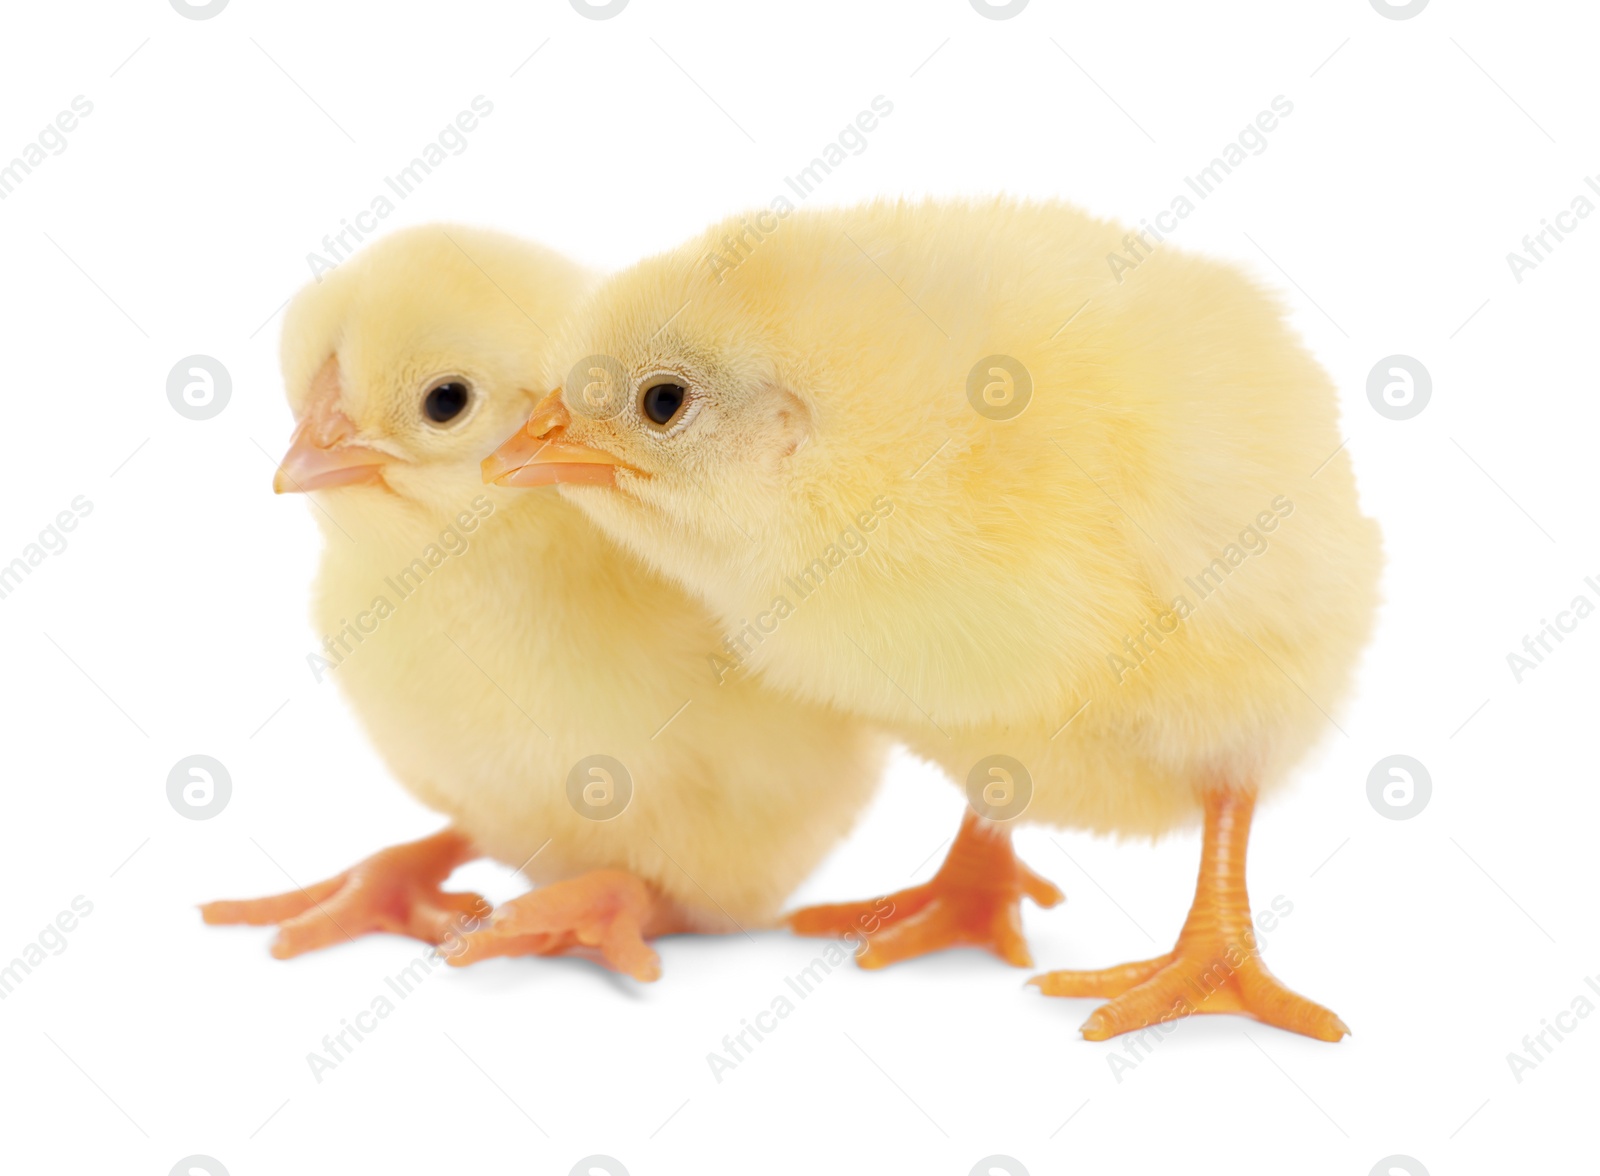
[{"x": 179, "y": 218}]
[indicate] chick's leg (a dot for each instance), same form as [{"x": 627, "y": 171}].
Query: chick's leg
[
  {"x": 1216, "y": 966},
  {"x": 395, "y": 890},
  {"x": 975, "y": 900},
  {"x": 604, "y": 915}
]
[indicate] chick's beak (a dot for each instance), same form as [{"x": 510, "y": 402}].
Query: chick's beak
[
  {"x": 538, "y": 454},
  {"x": 323, "y": 451},
  {"x": 312, "y": 465}
]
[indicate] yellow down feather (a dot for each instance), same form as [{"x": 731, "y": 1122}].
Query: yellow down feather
[{"x": 1177, "y": 469}]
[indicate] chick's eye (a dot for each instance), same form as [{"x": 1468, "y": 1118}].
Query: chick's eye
[
  {"x": 446, "y": 402},
  {"x": 662, "y": 402}
]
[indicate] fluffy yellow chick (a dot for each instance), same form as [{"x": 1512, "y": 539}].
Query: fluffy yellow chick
[
  {"x": 516, "y": 670},
  {"x": 1089, "y": 540}
]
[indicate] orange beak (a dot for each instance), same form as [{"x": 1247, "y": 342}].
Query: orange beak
[
  {"x": 322, "y": 450},
  {"x": 537, "y": 454}
]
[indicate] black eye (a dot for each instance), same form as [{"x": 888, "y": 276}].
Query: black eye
[
  {"x": 661, "y": 402},
  {"x": 445, "y": 402}
]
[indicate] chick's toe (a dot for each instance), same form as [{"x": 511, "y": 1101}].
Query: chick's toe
[
  {"x": 604, "y": 915},
  {"x": 396, "y": 890},
  {"x": 974, "y": 900}
]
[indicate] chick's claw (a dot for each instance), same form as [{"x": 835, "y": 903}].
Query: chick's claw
[
  {"x": 604, "y": 915},
  {"x": 396, "y": 890},
  {"x": 974, "y": 900}
]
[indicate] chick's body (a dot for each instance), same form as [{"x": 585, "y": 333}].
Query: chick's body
[
  {"x": 1163, "y": 547},
  {"x": 1089, "y": 541},
  {"x": 482, "y": 712},
  {"x": 490, "y": 640}
]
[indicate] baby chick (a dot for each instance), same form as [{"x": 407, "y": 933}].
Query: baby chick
[
  {"x": 1089, "y": 541},
  {"x": 516, "y": 670}
]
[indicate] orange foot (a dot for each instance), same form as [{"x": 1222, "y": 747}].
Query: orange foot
[
  {"x": 604, "y": 915},
  {"x": 974, "y": 900},
  {"x": 394, "y": 890},
  {"x": 1215, "y": 968}
]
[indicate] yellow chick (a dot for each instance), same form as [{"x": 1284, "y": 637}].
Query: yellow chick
[
  {"x": 1086, "y": 538},
  {"x": 516, "y": 670}
]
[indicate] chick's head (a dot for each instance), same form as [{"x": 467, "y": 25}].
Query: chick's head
[
  {"x": 406, "y": 364},
  {"x": 673, "y": 422}
]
